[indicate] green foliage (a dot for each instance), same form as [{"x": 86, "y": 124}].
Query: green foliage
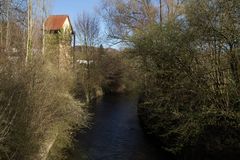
[{"x": 190, "y": 90}]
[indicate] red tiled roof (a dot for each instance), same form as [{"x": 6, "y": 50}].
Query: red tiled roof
[{"x": 55, "y": 22}]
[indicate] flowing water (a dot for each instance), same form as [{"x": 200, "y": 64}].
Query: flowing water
[{"x": 115, "y": 133}]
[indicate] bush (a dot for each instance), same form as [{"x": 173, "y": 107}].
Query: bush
[
  {"x": 39, "y": 94},
  {"x": 183, "y": 103}
]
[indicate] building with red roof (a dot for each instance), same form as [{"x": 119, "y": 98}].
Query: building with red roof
[
  {"x": 58, "y": 35},
  {"x": 58, "y": 22}
]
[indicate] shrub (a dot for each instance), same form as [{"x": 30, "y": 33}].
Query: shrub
[{"x": 39, "y": 94}]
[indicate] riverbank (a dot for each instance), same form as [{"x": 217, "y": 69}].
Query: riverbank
[{"x": 149, "y": 119}]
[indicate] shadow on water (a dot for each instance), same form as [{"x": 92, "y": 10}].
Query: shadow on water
[{"x": 115, "y": 133}]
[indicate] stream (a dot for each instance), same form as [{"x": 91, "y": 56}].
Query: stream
[{"x": 115, "y": 133}]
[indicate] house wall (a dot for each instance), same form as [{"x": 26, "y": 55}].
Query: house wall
[
  {"x": 66, "y": 25},
  {"x": 58, "y": 45},
  {"x": 65, "y": 57},
  {"x": 51, "y": 48}
]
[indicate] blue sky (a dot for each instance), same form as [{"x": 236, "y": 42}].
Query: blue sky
[{"x": 74, "y": 7}]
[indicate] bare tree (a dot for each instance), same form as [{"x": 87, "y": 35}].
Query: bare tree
[
  {"x": 29, "y": 34},
  {"x": 88, "y": 31},
  {"x": 160, "y": 11},
  {"x": 8, "y": 24},
  {"x": 123, "y": 18}
]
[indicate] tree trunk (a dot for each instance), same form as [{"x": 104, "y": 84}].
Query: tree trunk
[
  {"x": 29, "y": 34},
  {"x": 234, "y": 66},
  {"x": 7, "y": 45},
  {"x": 160, "y": 12},
  {"x": 43, "y": 26}
]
